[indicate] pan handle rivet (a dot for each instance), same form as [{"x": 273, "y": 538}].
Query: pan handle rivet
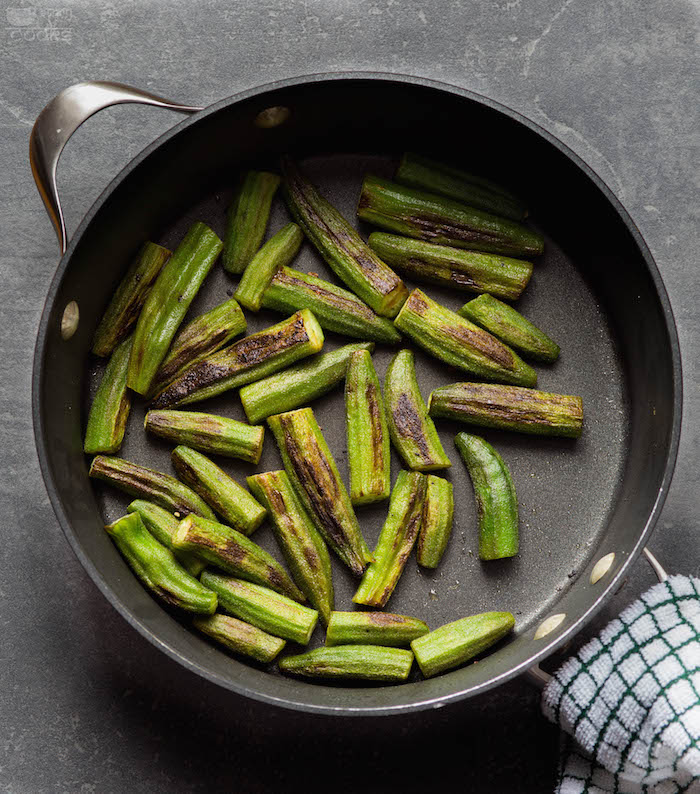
[
  {"x": 548, "y": 625},
  {"x": 602, "y": 567},
  {"x": 272, "y": 117},
  {"x": 70, "y": 320}
]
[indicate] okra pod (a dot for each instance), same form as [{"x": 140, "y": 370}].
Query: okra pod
[
  {"x": 149, "y": 484},
  {"x": 369, "y": 453},
  {"x": 346, "y": 253},
  {"x": 303, "y": 548},
  {"x": 396, "y": 540},
  {"x": 434, "y": 177},
  {"x": 467, "y": 271},
  {"x": 208, "y": 433},
  {"x": 109, "y": 411},
  {"x": 509, "y": 408},
  {"x": 427, "y": 216},
  {"x": 277, "y": 252},
  {"x": 496, "y": 500},
  {"x": 412, "y": 431},
  {"x": 297, "y": 385},
  {"x": 218, "y": 489},
  {"x": 315, "y": 477},
  {"x": 460, "y": 343},
  {"x": 356, "y": 662},
  {"x": 157, "y": 567},
  {"x": 457, "y": 642},
  {"x": 250, "y": 359},
  {"x": 270, "y": 611},
  {"x": 335, "y": 308},
  {"x": 233, "y": 553},
  {"x": 247, "y": 218},
  {"x": 240, "y": 637},
  {"x": 167, "y": 304},
  {"x": 511, "y": 327},
  {"x": 373, "y": 628},
  {"x": 123, "y": 310},
  {"x": 436, "y": 525}
]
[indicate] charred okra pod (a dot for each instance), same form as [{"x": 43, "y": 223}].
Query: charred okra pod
[
  {"x": 511, "y": 327},
  {"x": 277, "y": 252},
  {"x": 247, "y": 218},
  {"x": 109, "y": 411},
  {"x": 167, "y": 304},
  {"x": 157, "y": 567},
  {"x": 233, "y": 553},
  {"x": 270, "y": 611},
  {"x": 509, "y": 408},
  {"x": 303, "y": 548},
  {"x": 240, "y": 637},
  {"x": 356, "y": 662},
  {"x": 335, "y": 308},
  {"x": 251, "y": 358},
  {"x": 396, "y": 540},
  {"x": 412, "y": 431},
  {"x": 123, "y": 310},
  {"x": 208, "y": 433},
  {"x": 457, "y": 642},
  {"x": 427, "y": 216},
  {"x": 459, "y": 343},
  {"x": 369, "y": 453},
  {"x": 218, "y": 489},
  {"x": 373, "y": 628},
  {"x": 149, "y": 484},
  {"x": 346, "y": 253},
  {"x": 436, "y": 525},
  {"x": 297, "y": 385},
  {"x": 468, "y": 271},
  {"x": 315, "y": 477}
]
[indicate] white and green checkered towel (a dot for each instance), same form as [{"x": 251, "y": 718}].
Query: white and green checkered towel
[{"x": 630, "y": 698}]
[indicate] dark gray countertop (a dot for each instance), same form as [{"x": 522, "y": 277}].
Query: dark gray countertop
[{"x": 86, "y": 704}]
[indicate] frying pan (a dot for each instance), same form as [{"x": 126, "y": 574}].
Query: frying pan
[{"x": 587, "y": 506}]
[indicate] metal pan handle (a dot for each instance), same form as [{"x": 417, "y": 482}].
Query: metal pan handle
[{"x": 61, "y": 118}]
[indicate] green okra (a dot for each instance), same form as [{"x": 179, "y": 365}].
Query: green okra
[
  {"x": 346, "y": 253},
  {"x": 511, "y": 327},
  {"x": 247, "y": 218},
  {"x": 123, "y": 310},
  {"x": 373, "y": 628},
  {"x": 230, "y": 499},
  {"x": 335, "y": 308},
  {"x": 254, "y": 357},
  {"x": 163, "y": 525},
  {"x": 396, "y": 540},
  {"x": 369, "y": 452},
  {"x": 509, "y": 408},
  {"x": 302, "y": 546},
  {"x": 315, "y": 477},
  {"x": 270, "y": 611},
  {"x": 208, "y": 433},
  {"x": 167, "y": 303},
  {"x": 436, "y": 524},
  {"x": 434, "y": 177},
  {"x": 240, "y": 637},
  {"x": 468, "y": 271},
  {"x": 149, "y": 484},
  {"x": 460, "y": 343},
  {"x": 356, "y": 662},
  {"x": 277, "y": 252},
  {"x": 232, "y": 552},
  {"x": 455, "y": 643},
  {"x": 297, "y": 385},
  {"x": 496, "y": 500},
  {"x": 157, "y": 567},
  {"x": 203, "y": 336},
  {"x": 427, "y": 216},
  {"x": 109, "y": 411},
  {"x": 412, "y": 431}
]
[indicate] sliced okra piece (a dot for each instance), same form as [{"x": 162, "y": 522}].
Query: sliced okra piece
[
  {"x": 240, "y": 637},
  {"x": 436, "y": 526},
  {"x": 352, "y": 662},
  {"x": 373, "y": 628}
]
